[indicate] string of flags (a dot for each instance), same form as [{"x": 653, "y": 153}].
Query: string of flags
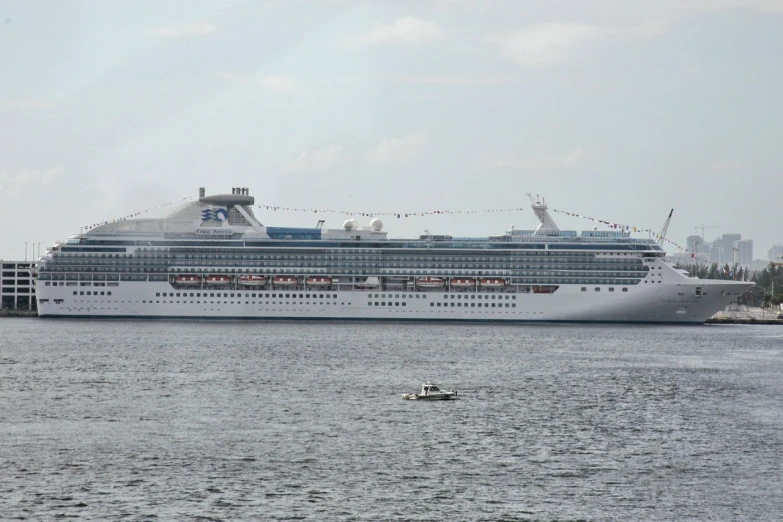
[
  {"x": 135, "y": 214},
  {"x": 623, "y": 228},
  {"x": 400, "y": 215}
]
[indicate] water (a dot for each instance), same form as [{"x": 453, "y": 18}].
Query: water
[{"x": 229, "y": 421}]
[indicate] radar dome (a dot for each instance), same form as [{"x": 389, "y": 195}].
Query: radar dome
[
  {"x": 350, "y": 224},
  {"x": 376, "y": 225},
  {"x": 595, "y": 228}
]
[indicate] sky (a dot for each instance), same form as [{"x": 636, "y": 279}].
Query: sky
[{"x": 619, "y": 110}]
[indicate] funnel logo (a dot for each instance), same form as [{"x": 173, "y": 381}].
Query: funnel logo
[{"x": 218, "y": 214}]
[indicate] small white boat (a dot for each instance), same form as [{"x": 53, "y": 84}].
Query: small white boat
[{"x": 430, "y": 392}]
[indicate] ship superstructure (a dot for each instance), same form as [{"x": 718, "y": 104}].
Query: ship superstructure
[{"x": 212, "y": 258}]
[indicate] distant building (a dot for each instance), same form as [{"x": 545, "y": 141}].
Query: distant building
[
  {"x": 696, "y": 245},
  {"x": 17, "y": 285},
  {"x": 721, "y": 251},
  {"x": 743, "y": 252},
  {"x": 775, "y": 253}
]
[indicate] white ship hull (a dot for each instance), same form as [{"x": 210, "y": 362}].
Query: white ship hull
[{"x": 661, "y": 303}]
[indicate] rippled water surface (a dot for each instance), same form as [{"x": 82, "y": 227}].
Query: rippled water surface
[{"x": 227, "y": 421}]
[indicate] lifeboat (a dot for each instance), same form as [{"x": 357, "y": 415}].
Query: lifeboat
[
  {"x": 492, "y": 283},
  {"x": 218, "y": 280},
  {"x": 285, "y": 280},
  {"x": 544, "y": 289},
  {"x": 319, "y": 281},
  {"x": 463, "y": 283},
  {"x": 430, "y": 282},
  {"x": 188, "y": 280},
  {"x": 370, "y": 283},
  {"x": 252, "y": 280}
]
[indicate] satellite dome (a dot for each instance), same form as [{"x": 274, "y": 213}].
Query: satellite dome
[
  {"x": 350, "y": 224},
  {"x": 376, "y": 225}
]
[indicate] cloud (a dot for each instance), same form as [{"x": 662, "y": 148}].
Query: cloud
[
  {"x": 406, "y": 30},
  {"x": 540, "y": 161},
  {"x": 276, "y": 83},
  {"x": 185, "y": 30},
  {"x": 722, "y": 167},
  {"x": 23, "y": 103},
  {"x": 314, "y": 160},
  {"x": 27, "y": 180},
  {"x": 553, "y": 43},
  {"x": 398, "y": 150}
]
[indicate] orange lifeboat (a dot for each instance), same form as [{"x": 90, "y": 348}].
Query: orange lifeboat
[
  {"x": 430, "y": 282},
  {"x": 218, "y": 280},
  {"x": 252, "y": 280},
  {"x": 319, "y": 281},
  {"x": 190, "y": 280},
  {"x": 285, "y": 280},
  {"x": 463, "y": 283},
  {"x": 492, "y": 283}
]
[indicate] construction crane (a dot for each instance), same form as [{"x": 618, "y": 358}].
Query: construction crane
[
  {"x": 665, "y": 228},
  {"x": 703, "y": 227}
]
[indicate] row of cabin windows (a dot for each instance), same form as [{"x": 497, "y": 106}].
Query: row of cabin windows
[
  {"x": 90, "y": 293},
  {"x": 472, "y": 305},
  {"x": 218, "y": 294},
  {"x": 473, "y": 296},
  {"x": 598, "y": 289}
]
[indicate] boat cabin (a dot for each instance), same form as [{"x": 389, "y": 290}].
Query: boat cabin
[{"x": 428, "y": 389}]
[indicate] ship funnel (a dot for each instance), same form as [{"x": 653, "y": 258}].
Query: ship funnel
[{"x": 202, "y": 192}]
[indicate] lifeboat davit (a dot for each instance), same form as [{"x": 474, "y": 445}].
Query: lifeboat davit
[
  {"x": 218, "y": 280},
  {"x": 285, "y": 280},
  {"x": 463, "y": 283},
  {"x": 319, "y": 281},
  {"x": 188, "y": 280},
  {"x": 430, "y": 282},
  {"x": 492, "y": 283},
  {"x": 252, "y": 280}
]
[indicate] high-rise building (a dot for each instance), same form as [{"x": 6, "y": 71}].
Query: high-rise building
[
  {"x": 695, "y": 244},
  {"x": 743, "y": 252},
  {"x": 775, "y": 253},
  {"x": 17, "y": 286}
]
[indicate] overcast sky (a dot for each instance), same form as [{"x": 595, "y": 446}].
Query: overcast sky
[{"x": 614, "y": 109}]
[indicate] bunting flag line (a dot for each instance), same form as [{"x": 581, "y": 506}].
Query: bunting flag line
[
  {"x": 623, "y": 228},
  {"x": 135, "y": 214},
  {"x": 399, "y": 215}
]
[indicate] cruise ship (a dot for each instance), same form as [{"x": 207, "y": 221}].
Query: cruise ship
[{"x": 212, "y": 258}]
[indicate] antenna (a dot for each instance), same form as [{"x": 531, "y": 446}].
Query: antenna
[{"x": 665, "y": 228}]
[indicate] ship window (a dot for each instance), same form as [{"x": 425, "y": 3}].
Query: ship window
[
  {"x": 369, "y": 303},
  {"x": 396, "y": 304},
  {"x": 597, "y": 289},
  {"x": 404, "y": 303},
  {"x": 438, "y": 304},
  {"x": 513, "y": 305},
  {"x": 611, "y": 289},
  {"x": 584, "y": 289},
  {"x": 81, "y": 293},
  {"x": 101, "y": 293},
  {"x": 177, "y": 294},
  {"x": 376, "y": 303},
  {"x": 74, "y": 292},
  {"x": 493, "y": 305},
  {"x": 433, "y": 304},
  {"x": 472, "y": 305}
]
